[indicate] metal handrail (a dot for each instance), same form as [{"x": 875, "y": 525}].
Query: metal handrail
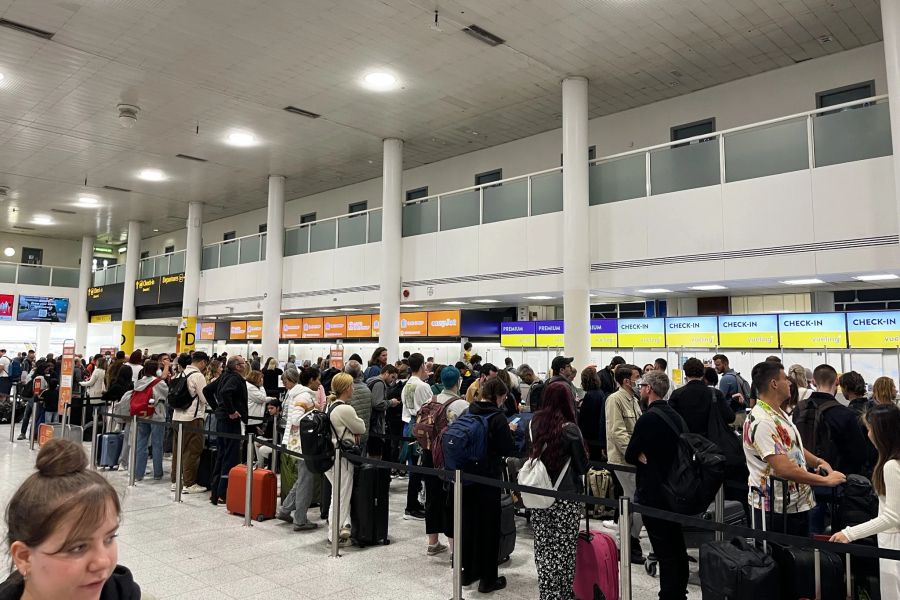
[
  {"x": 237, "y": 239},
  {"x": 481, "y": 186},
  {"x": 322, "y": 220},
  {"x": 51, "y": 270}
]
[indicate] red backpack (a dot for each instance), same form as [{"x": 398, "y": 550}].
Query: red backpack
[
  {"x": 140, "y": 400},
  {"x": 431, "y": 420}
]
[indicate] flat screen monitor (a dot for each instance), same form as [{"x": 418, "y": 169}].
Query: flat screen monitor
[{"x": 43, "y": 309}]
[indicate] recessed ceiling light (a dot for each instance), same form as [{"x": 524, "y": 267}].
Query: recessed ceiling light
[
  {"x": 152, "y": 175},
  {"x": 707, "y": 288},
  {"x": 539, "y": 297},
  {"x": 884, "y": 277},
  {"x": 41, "y": 220},
  {"x": 410, "y": 306},
  {"x": 380, "y": 81},
  {"x": 325, "y": 310},
  {"x": 486, "y": 301},
  {"x": 87, "y": 200},
  {"x": 803, "y": 282},
  {"x": 454, "y": 303},
  {"x": 156, "y": 231},
  {"x": 349, "y": 309},
  {"x": 9, "y": 251},
  {"x": 655, "y": 291},
  {"x": 242, "y": 139},
  {"x": 2, "y": 76}
]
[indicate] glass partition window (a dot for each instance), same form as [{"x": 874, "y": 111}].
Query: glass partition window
[
  {"x": 65, "y": 277},
  {"x": 322, "y": 236},
  {"x": 210, "y": 257},
  {"x": 34, "y": 275},
  {"x": 460, "y": 210},
  {"x": 147, "y": 268},
  {"x": 262, "y": 247},
  {"x": 228, "y": 255},
  {"x": 249, "y": 249},
  {"x": 296, "y": 241},
  {"x": 420, "y": 218},
  {"x": 7, "y": 273},
  {"x": 684, "y": 168},
  {"x": 770, "y": 150},
  {"x": 505, "y": 202},
  {"x": 351, "y": 230},
  {"x": 162, "y": 265},
  {"x": 176, "y": 263},
  {"x": 546, "y": 193},
  {"x": 618, "y": 179},
  {"x": 375, "y": 226},
  {"x": 852, "y": 134}
]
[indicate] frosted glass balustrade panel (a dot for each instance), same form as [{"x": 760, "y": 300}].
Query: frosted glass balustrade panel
[
  {"x": 852, "y": 134},
  {"x": 505, "y": 202},
  {"x": 162, "y": 265},
  {"x": 618, "y": 179},
  {"x": 420, "y": 218},
  {"x": 176, "y": 263},
  {"x": 351, "y": 230},
  {"x": 296, "y": 241},
  {"x": 375, "y": 226},
  {"x": 34, "y": 275},
  {"x": 65, "y": 277},
  {"x": 322, "y": 236},
  {"x": 249, "y": 249},
  {"x": 146, "y": 269},
  {"x": 210, "y": 258},
  {"x": 546, "y": 193},
  {"x": 229, "y": 254},
  {"x": 7, "y": 273},
  {"x": 769, "y": 150},
  {"x": 684, "y": 167},
  {"x": 459, "y": 210}
]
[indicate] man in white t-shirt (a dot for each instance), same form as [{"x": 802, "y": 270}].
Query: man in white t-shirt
[
  {"x": 773, "y": 447},
  {"x": 415, "y": 393},
  {"x": 5, "y": 381}
]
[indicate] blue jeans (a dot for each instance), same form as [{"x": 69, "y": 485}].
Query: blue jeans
[{"x": 149, "y": 433}]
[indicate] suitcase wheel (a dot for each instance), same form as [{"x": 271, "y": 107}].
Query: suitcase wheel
[
  {"x": 260, "y": 518},
  {"x": 386, "y": 542},
  {"x": 650, "y": 566}
]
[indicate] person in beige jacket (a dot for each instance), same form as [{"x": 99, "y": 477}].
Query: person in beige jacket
[
  {"x": 622, "y": 412},
  {"x": 193, "y": 417},
  {"x": 346, "y": 425}
]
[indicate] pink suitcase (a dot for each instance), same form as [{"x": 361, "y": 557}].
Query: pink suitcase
[{"x": 596, "y": 567}]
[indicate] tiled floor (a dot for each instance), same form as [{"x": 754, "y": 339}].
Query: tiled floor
[{"x": 196, "y": 551}]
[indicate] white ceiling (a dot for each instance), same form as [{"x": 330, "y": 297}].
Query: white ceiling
[{"x": 199, "y": 68}]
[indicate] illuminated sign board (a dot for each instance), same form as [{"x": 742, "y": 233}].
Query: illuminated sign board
[
  {"x": 692, "y": 332},
  {"x": 207, "y": 331},
  {"x": 748, "y": 331},
  {"x": 604, "y": 333},
  {"x": 237, "y": 330},
  {"x": 313, "y": 328},
  {"x": 335, "y": 327},
  {"x": 813, "y": 330},
  {"x": 359, "y": 326},
  {"x": 291, "y": 329},
  {"x": 517, "y": 334},
  {"x": 254, "y": 330},
  {"x": 642, "y": 333},
  {"x": 549, "y": 334},
  {"x": 413, "y": 324},
  {"x": 874, "y": 329},
  {"x": 443, "y": 323}
]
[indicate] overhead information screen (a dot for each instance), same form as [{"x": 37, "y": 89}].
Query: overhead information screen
[
  {"x": 604, "y": 333},
  {"x": 517, "y": 334},
  {"x": 813, "y": 330},
  {"x": 642, "y": 333},
  {"x": 549, "y": 334},
  {"x": 692, "y": 332},
  {"x": 874, "y": 329},
  {"x": 748, "y": 331}
]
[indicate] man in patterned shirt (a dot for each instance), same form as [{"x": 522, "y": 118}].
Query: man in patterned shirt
[{"x": 773, "y": 447}]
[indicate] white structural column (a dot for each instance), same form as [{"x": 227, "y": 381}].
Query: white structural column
[
  {"x": 392, "y": 246},
  {"x": 890, "y": 24},
  {"x": 577, "y": 260},
  {"x": 273, "y": 265},
  {"x": 84, "y": 282},
  {"x": 132, "y": 261},
  {"x": 193, "y": 256}
]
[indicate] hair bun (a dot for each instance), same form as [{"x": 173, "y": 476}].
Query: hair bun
[{"x": 59, "y": 458}]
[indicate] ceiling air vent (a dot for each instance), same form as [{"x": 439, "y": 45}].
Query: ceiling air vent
[
  {"x": 301, "y": 112},
  {"x": 483, "y": 35},
  {"x": 65, "y": 212},
  {"x": 189, "y": 157},
  {"x": 26, "y": 29},
  {"x": 115, "y": 189},
  {"x": 23, "y": 227}
]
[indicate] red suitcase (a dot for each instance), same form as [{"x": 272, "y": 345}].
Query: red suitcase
[
  {"x": 264, "y": 489},
  {"x": 596, "y": 567}
]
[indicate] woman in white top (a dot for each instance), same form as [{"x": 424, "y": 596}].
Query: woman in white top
[
  {"x": 883, "y": 422},
  {"x": 97, "y": 383},
  {"x": 256, "y": 397},
  {"x": 299, "y": 400}
]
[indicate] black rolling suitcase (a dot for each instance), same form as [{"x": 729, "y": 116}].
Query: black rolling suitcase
[
  {"x": 507, "y": 527},
  {"x": 736, "y": 570},
  {"x": 369, "y": 506},
  {"x": 695, "y": 537},
  {"x": 205, "y": 467}
]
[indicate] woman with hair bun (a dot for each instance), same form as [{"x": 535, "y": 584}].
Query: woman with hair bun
[{"x": 62, "y": 524}]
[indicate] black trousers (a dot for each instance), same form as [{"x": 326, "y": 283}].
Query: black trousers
[
  {"x": 228, "y": 456},
  {"x": 435, "y": 500},
  {"x": 668, "y": 545},
  {"x": 480, "y": 533}
]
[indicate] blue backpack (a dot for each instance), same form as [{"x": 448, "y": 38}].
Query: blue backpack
[
  {"x": 465, "y": 441},
  {"x": 15, "y": 370}
]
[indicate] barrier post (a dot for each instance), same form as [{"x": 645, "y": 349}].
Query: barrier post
[
  {"x": 457, "y": 535},
  {"x": 817, "y": 570},
  {"x": 12, "y": 418},
  {"x": 275, "y": 465},
  {"x": 624, "y": 548},
  {"x": 334, "y": 512},
  {"x": 95, "y": 428},
  {"x": 132, "y": 451},
  {"x": 34, "y": 411},
  {"x": 720, "y": 512},
  {"x": 248, "y": 483},
  {"x": 179, "y": 479}
]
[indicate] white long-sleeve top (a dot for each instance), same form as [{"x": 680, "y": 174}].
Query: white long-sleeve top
[
  {"x": 256, "y": 402},
  {"x": 96, "y": 384},
  {"x": 888, "y": 519},
  {"x": 297, "y": 402}
]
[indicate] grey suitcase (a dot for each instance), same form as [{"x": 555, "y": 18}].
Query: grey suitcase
[{"x": 110, "y": 445}]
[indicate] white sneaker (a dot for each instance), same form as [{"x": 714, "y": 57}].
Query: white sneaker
[
  {"x": 174, "y": 489},
  {"x": 194, "y": 489}
]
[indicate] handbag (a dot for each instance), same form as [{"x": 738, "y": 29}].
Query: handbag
[{"x": 534, "y": 474}]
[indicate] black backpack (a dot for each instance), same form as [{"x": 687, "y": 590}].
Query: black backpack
[
  {"x": 179, "y": 396},
  {"x": 535, "y": 395},
  {"x": 809, "y": 418},
  {"x": 315, "y": 440},
  {"x": 743, "y": 386},
  {"x": 28, "y": 389},
  {"x": 697, "y": 473},
  {"x": 326, "y": 377},
  {"x": 856, "y": 503}
]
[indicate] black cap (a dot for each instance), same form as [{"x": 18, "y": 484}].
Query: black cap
[{"x": 559, "y": 362}]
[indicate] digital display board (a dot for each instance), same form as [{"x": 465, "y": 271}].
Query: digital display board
[
  {"x": 692, "y": 332},
  {"x": 642, "y": 333},
  {"x": 6, "y": 306},
  {"x": 291, "y": 329},
  {"x": 335, "y": 327},
  {"x": 208, "y": 330},
  {"x": 443, "y": 323},
  {"x": 604, "y": 333},
  {"x": 874, "y": 329},
  {"x": 43, "y": 309},
  {"x": 748, "y": 331},
  {"x": 254, "y": 330},
  {"x": 413, "y": 324},
  {"x": 813, "y": 330},
  {"x": 376, "y": 325},
  {"x": 146, "y": 292},
  {"x": 359, "y": 326},
  {"x": 312, "y": 328},
  {"x": 517, "y": 334},
  {"x": 237, "y": 330},
  {"x": 171, "y": 288},
  {"x": 105, "y": 298},
  {"x": 549, "y": 334}
]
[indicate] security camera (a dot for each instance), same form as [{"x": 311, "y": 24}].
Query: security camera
[{"x": 128, "y": 115}]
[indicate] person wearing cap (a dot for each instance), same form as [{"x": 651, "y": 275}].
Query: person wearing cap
[
  {"x": 561, "y": 369},
  {"x": 193, "y": 418},
  {"x": 473, "y": 393}
]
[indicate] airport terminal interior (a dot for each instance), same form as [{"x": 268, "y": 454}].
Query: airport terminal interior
[{"x": 609, "y": 215}]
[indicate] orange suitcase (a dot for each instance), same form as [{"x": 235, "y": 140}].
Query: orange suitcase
[{"x": 264, "y": 489}]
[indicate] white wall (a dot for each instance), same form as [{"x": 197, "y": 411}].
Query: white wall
[
  {"x": 768, "y": 95},
  {"x": 57, "y": 252}
]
